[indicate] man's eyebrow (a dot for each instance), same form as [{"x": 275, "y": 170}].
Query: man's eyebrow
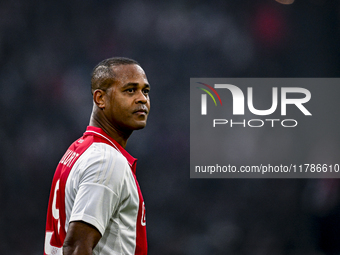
[{"x": 132, "y": 84}]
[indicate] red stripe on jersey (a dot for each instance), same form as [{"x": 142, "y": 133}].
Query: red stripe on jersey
[{"x": 141, "y": 244}]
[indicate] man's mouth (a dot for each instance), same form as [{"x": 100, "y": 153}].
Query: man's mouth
[{"x": 141, "y": 111}]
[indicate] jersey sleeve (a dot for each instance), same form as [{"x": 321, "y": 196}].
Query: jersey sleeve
[{"x": 97, "y": 183}]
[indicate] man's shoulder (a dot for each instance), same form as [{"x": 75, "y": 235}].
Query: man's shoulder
[
  {"x": 96, "y": 145},
  {"x": 101, "y": 164},
  {"x": 96, "y": 153},
  {"x": 99, "y": 151}
]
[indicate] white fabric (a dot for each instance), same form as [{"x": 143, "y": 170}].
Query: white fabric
[{"x": 101, "y": 190}]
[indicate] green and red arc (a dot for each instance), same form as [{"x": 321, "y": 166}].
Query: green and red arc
[{"x": 208, "y": 92}]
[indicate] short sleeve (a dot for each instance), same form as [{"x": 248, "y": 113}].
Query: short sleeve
[{"x": 97, "y": 180}]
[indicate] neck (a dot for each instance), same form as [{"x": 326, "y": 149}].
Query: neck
[{"x": 99, "y": 121}]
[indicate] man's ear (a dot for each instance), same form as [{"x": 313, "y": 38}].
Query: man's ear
[{"x": 98, "y": 98}]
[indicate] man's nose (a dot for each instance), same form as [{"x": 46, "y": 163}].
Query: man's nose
[{"x": 141, "y": 98}]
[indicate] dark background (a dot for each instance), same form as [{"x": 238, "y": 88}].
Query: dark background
[{"x": 47, "y": 52}]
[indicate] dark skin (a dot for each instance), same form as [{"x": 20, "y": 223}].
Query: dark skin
[
  {"x": 81, "y": 238},
  {"x": 118, "y": 111}
]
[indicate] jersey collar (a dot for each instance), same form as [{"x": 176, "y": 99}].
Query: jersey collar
[{"x": 90, "y": 130}]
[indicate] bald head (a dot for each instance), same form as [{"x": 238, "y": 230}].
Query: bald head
[{"x": 103, "y": 75}]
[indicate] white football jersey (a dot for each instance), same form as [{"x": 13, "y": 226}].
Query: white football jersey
[{"x": 95, "y": 182}]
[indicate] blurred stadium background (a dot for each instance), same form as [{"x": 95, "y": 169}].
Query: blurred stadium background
[{"x": 47, "y": 52}]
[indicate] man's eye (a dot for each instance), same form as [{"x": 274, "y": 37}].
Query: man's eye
[
  {"x": 146, "y": 91},
  {"x": 130, "y": 90}
]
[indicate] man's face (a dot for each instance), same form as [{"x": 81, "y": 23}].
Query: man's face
[{"x": 127, "y": 100}]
